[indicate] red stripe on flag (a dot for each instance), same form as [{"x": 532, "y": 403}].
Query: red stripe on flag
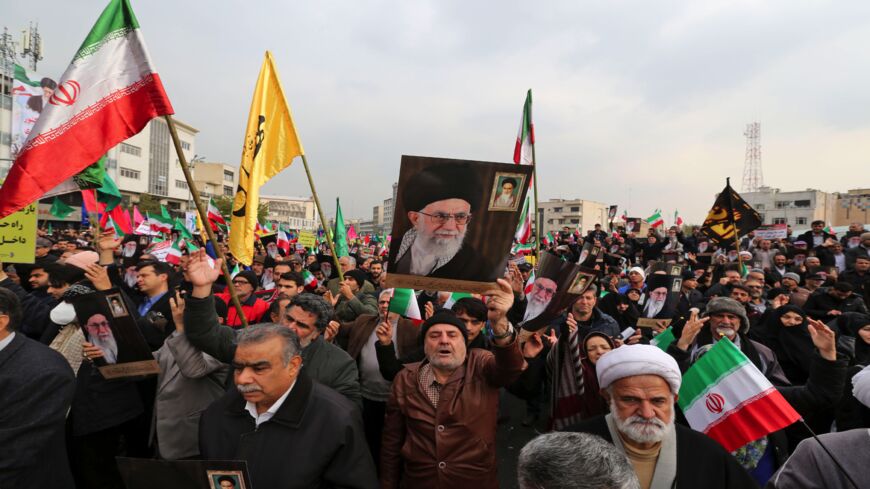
[
  {"x": 41, "y": 168},
  {"x": 756, "y": 417},
  {"x": 531, "y": 133},
  {"x": 518, "y": 150}
]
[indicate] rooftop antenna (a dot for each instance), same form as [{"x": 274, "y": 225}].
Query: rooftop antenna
[{"x": 752, "y": 175}]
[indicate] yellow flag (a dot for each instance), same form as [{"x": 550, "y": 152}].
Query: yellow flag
[{"x": 270, "y": 145}]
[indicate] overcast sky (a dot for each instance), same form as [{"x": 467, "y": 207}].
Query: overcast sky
[{"x": 642, "y": 104}]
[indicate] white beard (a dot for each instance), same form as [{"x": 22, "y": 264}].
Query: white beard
[
  {"x": 534, "y": 308},
  {"x": 109, "y": 347},
  {"x": 653, "y": 307},
  {"x": 429, "y": 250},
  {"x": 130, "y": 278},
  {"x": 642, "y": 430}
]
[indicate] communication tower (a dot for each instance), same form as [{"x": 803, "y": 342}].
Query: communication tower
[{"x": 752, "y": 175}]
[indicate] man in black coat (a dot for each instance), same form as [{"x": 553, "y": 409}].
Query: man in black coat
[
  {"x": 37, "y": 387},
  {"x": 816, "y": 236},
  {"x": 641, "y": 383},
  {"x": 293, "y": 432}
]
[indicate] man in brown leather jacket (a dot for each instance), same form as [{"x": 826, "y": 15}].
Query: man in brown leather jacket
[{"x": 441, "y": 416}]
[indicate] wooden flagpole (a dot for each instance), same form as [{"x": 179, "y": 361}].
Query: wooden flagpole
[
  {"x": 734, "y": 226},
  {"x": 322, "y": 219},
  {"x": 203, "y": 216},
  {"x": 538, "y": 229}
]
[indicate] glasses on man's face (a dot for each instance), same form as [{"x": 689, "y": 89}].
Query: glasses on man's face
[
  {"x": 546, "y": 290},
  {"x": 441, "y": 218},
  {"x": 240, "y": 282},
  {"x": 384, "y": 302}
]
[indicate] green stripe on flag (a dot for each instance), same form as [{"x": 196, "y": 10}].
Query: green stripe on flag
[
  {"x": 117, "y": 20},
  {"x": 400, "y": 300},
  {"x": 664, "y": 339},
  {"x": 723, "y": 359}
]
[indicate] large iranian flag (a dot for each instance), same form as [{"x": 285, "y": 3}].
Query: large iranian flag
[
  {"x": 526, "y": 135},
  {"x": 108, "y": 93},
  {"x": 524, "y": 228},
  {"x": 725, "y": 396}
]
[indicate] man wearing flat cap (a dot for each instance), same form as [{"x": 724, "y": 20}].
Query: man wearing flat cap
[
  {"x": 641, "y": 383},
  {"x": 441, "y": 201}
]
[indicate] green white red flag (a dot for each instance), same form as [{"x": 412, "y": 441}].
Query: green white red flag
[
  {"x": 310, "y": 280},
  {"x": 454, "y": 296},
  {"x": 726, "y": 397},
  {"x": 108, "y": 93},
  {"x": 678, "y": 221},
  {"x": 655, "y": 220},
  {"x": 214, "y": 215},
  {"x": 404, "y": 302},
  {"x": 173, "y": 255},
  {"x": 160, "y": 223},
  {"x": 530, "y": 283},
  {"x": 526, "y": 135},
  {"x": 524, "y": 229}
]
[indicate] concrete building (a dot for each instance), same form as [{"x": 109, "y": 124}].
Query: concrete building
[
  {"x": 388, "y": 210},
  {"x": 852, "y": 206},
  {"x": 292, "y": 212},
  {"x": 798, "y": 208},
  {"x": 215, "y": 179},
  {"x": 378, "y": 219},
  {"x": 575, "y": 213}
]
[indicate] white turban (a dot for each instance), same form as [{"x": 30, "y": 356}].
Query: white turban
[
  {"x": 638, "y": 270},
  {"x": 861, "y": 386},
  {"x": 631, "y": 360}
]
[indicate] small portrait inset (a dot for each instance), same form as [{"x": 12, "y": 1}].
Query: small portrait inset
[
  {"x": 580, "y": 284},
  {"x": 506, "y": 190},
  {"x": 99, "y": 333},
  {"x": 225, "y": 479},
  {"x": 116, "y": 305}
]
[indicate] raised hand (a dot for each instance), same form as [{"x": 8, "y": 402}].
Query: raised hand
[
  {"x": 824, "y": 338},
  {"x": 91, "y": 352},
  {"x": 384, "y": 332},
  {"x": 533, "y": 346},
  {"x": 202, "y": 274},
  {"x": 328, "y": 297},
  {"x": 331, "y": 331},
  {"x": 690, "y": 330},
  {"x": 572, "y": 323},
  {"x": 428, "y": 310},
  {"x": 108, "y": 241},
  {"x": 176, "y": 305}
]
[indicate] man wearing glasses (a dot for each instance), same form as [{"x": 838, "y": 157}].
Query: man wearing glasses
[
  {"x": 440, "y": 202},
  {"x": 254, "y": 308}
]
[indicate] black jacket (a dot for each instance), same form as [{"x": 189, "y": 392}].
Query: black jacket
[
  {"x": 701, "y": 462},
  {"x": 36, "y": 388},
  {"x": 819, "y": 305},
  {"x": 315, "y": 440}
]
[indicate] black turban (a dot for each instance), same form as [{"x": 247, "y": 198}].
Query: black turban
[{"x": 442, "y": 182}]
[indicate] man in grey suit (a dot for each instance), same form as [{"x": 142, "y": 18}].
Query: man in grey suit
[
  {"x": 37, "y": 387},
  {"x": 189, "y": 381}
]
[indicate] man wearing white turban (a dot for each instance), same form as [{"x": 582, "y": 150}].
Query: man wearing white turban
[{"x": 641, "y": 383}]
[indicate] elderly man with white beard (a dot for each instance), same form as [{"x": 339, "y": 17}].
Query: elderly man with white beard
[
  {"x": 641, "y": 383},
  {"x": 543, "y": 291},
  {"x": 440, "y": 207},
  {"x": 101, "y": 337}
]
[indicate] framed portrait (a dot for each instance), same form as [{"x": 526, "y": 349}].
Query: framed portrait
[
  {"x": 116, "y": 305},
  {"x": 106, "y": 323},
  {"x": 225, "y": 479},
  {"x": 554, "y": 290},
  {"x": 446, "y": 235},
  {"x": 506, "y": 191},
  {"x": 580, "y": 283}
]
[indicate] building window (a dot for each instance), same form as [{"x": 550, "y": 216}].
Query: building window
[
  {"x": 802, "y": 203},
  {"x": 228, "y": 191},
  {"x": 759, "y": 207},
  {"x": 800, "y": 221},
  {"x": 228, "y": 176},
  {"x": 575, "y": 209},
  {"x": 131, "y": 150},
  {"x": 782, "y": 204},
  {"x": 181, "y": 184},
  {"x": 5, "y": 138},
  {"x": 557, "y": 209},
  {"x": 780, "y": 220},
  {"x": 575, "y": 221},
  {"x": 111, "y": 163},
  {"x": 158, "y": 159},
  {"x": 134, "y": 174},
  {"x": 6, "y": 101},
  {"x": 185, "y": 145}
]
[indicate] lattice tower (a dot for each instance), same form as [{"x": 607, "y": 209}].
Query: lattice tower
[{"x": 752, "y": 175}]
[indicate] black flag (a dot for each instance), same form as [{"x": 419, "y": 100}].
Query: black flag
[{"x": 730, "y": 211}]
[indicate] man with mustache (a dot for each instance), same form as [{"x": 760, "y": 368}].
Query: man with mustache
[
  {"x": 440, "y": 202},
  {"x": 543, "y": 291},
  {"x": 101, "y": 336},
  {"x": 292, "y": 431},
  {"x": 641, "y": 383}
]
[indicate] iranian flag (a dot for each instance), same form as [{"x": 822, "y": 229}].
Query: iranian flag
[
  {"x": 108, "y": 93},
  {"x": 526, "y": 135},
  {"x": 214, "y": 215},
  {"x": 530, "y": 283},
  {"x": 523, "y": 249},
  {"x": 455, "y": 296},
  {"x": 664, "y": 339},
  {"x": 524, "y": 229},
  {"x": 117, "y": 220},
  {"x": 160, "y": 223},
  {"x": 726, "y": 397},
  {"x": 678, "y": 221},
  {"x": 404, "y": 302},
  {"x": 310, "y": 280},
  {"x": 548, "y": 239},
  {"x": 235, "y": 271},
  {"x": 173, "y": 255},
  {"x": 655, "y": 220},
  {"x": 283, "y": 241}
]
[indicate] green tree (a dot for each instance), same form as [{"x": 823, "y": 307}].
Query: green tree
[
  {"x": 225, "y": 205},
  {"x": 149, "y": 203}
]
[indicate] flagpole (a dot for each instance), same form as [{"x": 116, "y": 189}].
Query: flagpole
[
  {"x": 535, "y": 184},
  {"x": 834, "y": 459},
  {"x": 322, "y": 219},
  {"x": 204, "y": 217},
  {"x": 734, "y": 226}
]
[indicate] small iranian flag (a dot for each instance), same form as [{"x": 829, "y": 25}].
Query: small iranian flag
[
  {"x": 160, "y": 223},
  {"x": 108, "y": 93},
  {"x": 191, "y": 246},
  {"x": 523, "y": 249},
  {"x": 283, "y": 241},
  {"x": 235, "y": 271},
  {"x": 726, "y": 397},
  {"x": 655, "y": 220},
  {"x": 455, "y": 296},
  {"x": 214, "y": 214},
  {"x": 678, "y": 221},
  {"x": 530, "y": 283},
  {"x": 664, "y": 339},
  {"x": 404, "y": 302},
  {"x": 310, "y": 280},
  {"x": 526, "y": 135},
  {"x": 548, "y": 239},
  {"x": 173, "y": 255},
  {"x": 524, "y": 229}
]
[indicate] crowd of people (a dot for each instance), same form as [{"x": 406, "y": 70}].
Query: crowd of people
[{"x": 327, "y": 387}]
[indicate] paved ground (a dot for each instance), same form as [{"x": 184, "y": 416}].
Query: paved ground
[{"x": 511, "y": 438}]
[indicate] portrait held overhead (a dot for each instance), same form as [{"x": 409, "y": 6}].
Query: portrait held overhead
[
  {"x": 453, "y": 223},
  {"x": 546, "y": 320}
]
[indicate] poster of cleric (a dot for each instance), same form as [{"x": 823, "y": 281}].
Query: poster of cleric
[
  {"x": 453, "y": 223},
  {"x": 107, "y": 323}
]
